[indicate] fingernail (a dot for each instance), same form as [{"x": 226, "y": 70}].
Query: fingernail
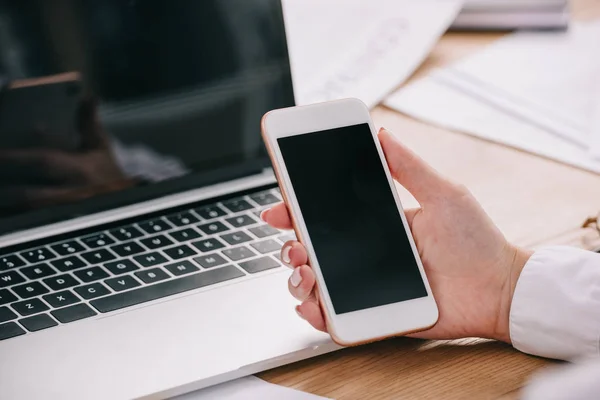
[
  {"x": 285, "y": 254},
  {"x": 296, "y": 278},
  {"x": 381, "y": 129},
  {"x": 263, "y": 214},
  {"x": 297, "y": 308}
]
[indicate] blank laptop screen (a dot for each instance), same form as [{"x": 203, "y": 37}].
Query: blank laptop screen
[{"x": 107, "y": 103}]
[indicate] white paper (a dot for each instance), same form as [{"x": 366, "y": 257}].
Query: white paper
[
  {"x": 358, "y": 48},
  {"x": 534, "y": 91},
  {"x": 549, "y": 73},
  {"x": 248, "y": 388},
  {"x": 441, "y": 105}
]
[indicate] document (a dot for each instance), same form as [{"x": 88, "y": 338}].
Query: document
[
  {"x": 248, "y": 388},
  {"x": 358, "y": 48},
  {"x": 535, "y": 91}
]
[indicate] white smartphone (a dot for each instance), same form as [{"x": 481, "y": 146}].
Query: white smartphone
[{"x": 346, "y": 211}]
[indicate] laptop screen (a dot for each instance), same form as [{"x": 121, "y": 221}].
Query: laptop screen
[{"x": 107, "y": 103}]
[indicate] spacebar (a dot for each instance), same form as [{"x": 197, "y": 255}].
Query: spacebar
[{"x": 168, "y": 288}]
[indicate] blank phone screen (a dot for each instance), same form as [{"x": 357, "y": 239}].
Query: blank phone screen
[{"x": 352, "y": 218}]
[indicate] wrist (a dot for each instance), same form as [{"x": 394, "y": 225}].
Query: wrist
[{"x": 518, "y": 257}]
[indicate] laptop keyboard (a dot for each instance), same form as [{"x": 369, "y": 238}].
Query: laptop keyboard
[{"x": 124, "y": 266}]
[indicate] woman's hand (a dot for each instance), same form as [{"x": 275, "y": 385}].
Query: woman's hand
[{"x": 471, "y": 267}]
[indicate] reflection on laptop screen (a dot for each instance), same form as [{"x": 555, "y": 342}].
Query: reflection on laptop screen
[{"x": 106, "y": 103}]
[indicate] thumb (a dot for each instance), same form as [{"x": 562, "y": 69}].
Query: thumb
[{"x": 418, "y": 177}]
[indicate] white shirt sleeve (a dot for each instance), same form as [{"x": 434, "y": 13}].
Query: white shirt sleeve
[
  {"x": 555, "y": 310},
  {"x": 556, "y": 313}
]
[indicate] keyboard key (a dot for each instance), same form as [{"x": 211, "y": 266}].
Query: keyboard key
[
  {"x": 182, "y": 219},
  {"x": 29, "y": 307},
  {"x": 210, "y": 260},
  {"x": 264, "y": 198},
  {"x": 210, "y": 212},
  {"x": 61, "y": 299},
  {"x": 181, "y": 268},
  {"x": 238, "y": 253},
  {"x": 98, "y": 256},
  {"x": 122, "y": 283},
  {"x": 126, "y": 233},
  {"x": 263, "y": 231},
  {"x": 73, "y": 313},
  {"x": 150, "y": 259},
  {"x": 38, "y": 255},
  {"x": 38, "y": 322},
  {"x": 68, "y": 264},
  {"x": 166, "y": 288},
  {"x": 6, "y": 314},
  {"x": 257, "y": 213},
  {"x": 61, "y": 282},
  {"x": 152, "y": 275},
  {"x": 287, "y": 237},
  {"x": 241, "y": 220},
  {"x": 6, "y": 297},
  {"x": 155, "y": 226},
  {"x": 127, "y": 249},
  {"x": 97, "y": 240},
  {"x": 259, "y": 264},
  {"x": 156, "y": 242},
  {"x": 185, "y": 234},
  {"x": 38, "y": 271},
  {"x": 10, "y": 278},
  {"x": 266, "y": 246},
  {"x": 91, "y": 274},
  {"x": 30, "y": 289},
  {"x": 92, "y": 291},
  {"x": 207, "y": 245},
  {"x": 236, "y": 238},
  {"x": 181, "y": 251},
  {"x": 213, "y": 227},
  {"x": 237, "y": 205},
  {"x": 67, "y": 248},
  {"x": 10, "y": 330},
  {"x": 121, "y": 267},
  {"x": 11, "y": 261}
]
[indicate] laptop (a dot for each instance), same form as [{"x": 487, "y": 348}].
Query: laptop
[{"x": 133, "y": 262}]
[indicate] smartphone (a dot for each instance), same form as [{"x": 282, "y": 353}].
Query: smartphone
[
  {"x": 40, "y": 112},
  {"x": 346, "y": 211}
]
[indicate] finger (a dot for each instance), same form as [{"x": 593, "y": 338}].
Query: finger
[
  {"x": 418, "y": 177},
  {"x": 311, "y": 312},
  {"x": 301, "y": 282},
  {"x": 277, "y": 216},
  {"x": 410, "y": 214},
  {"x": 294, "y": 254}
]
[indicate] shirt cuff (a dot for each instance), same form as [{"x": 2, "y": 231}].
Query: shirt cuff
[{"x": 555, "y": 310}]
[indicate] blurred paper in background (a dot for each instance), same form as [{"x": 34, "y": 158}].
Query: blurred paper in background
[
  {"x": 528, "y": 90},
  {"x": 358, "y": 48}
]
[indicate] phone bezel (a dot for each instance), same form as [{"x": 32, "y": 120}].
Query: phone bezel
[{"x": 364, "y": 325}]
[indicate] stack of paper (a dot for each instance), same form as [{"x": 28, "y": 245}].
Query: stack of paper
[
  {"x": 513, "y": 14},
  {"x": 357, "y": 48},
  {"x": 535, "y": 91}
]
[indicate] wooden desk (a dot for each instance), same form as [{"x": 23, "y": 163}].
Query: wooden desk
[{"x": 534, "y": 201}]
